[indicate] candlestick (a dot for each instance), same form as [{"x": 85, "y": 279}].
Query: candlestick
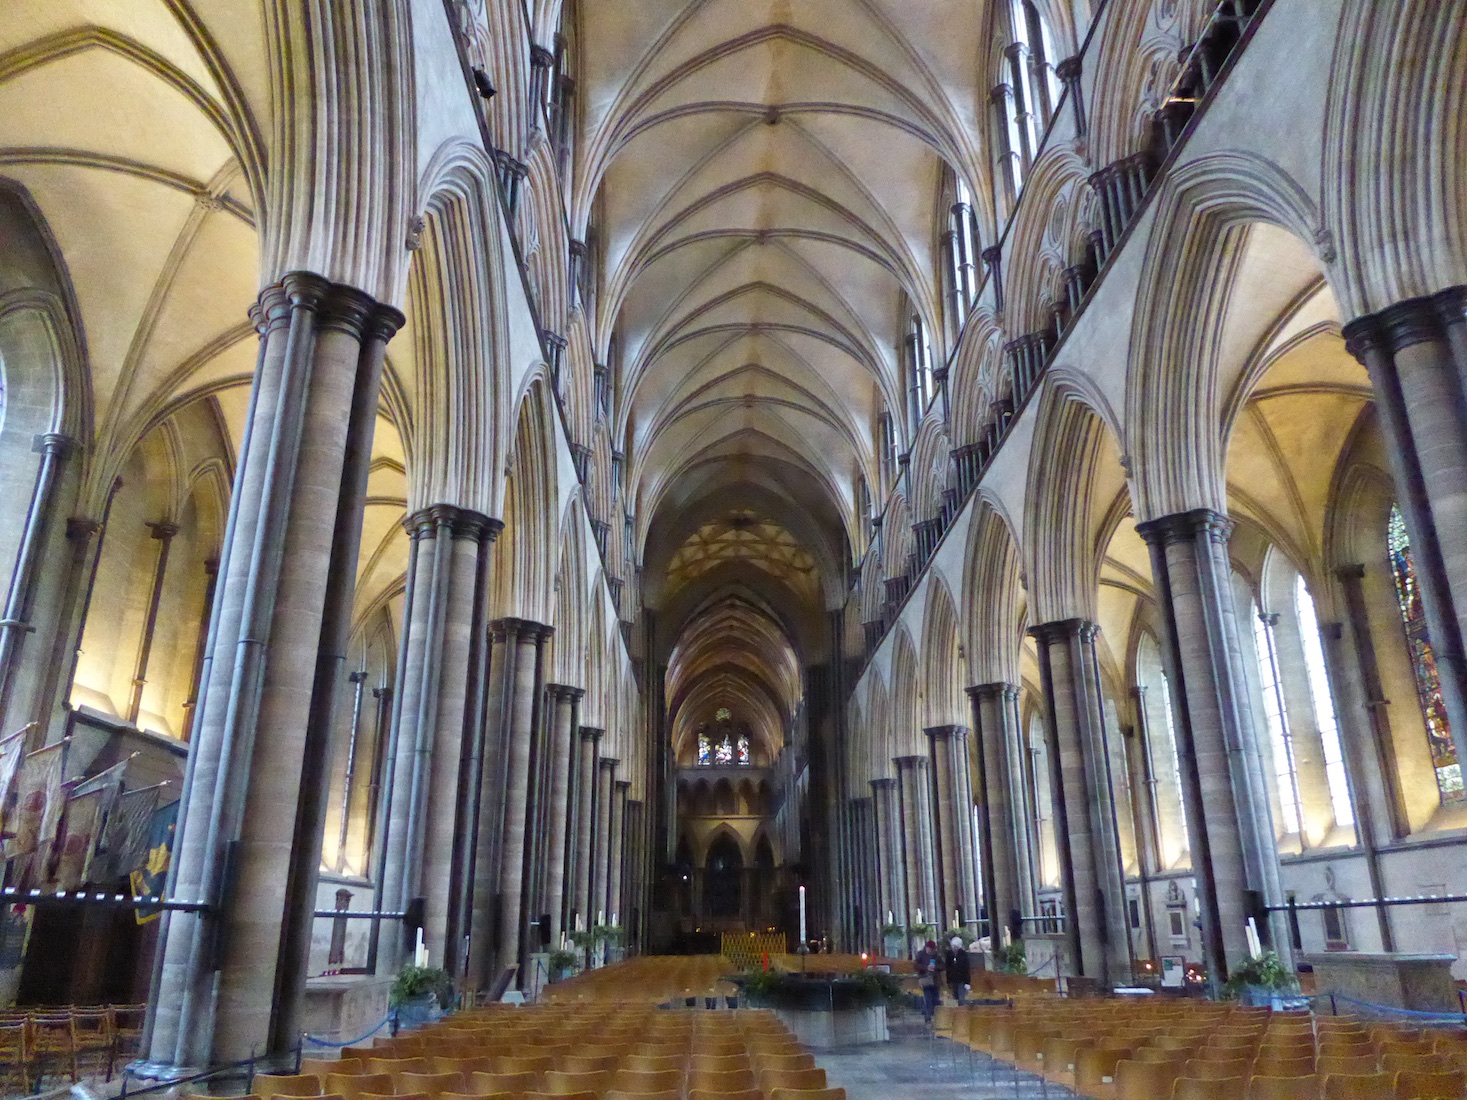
[
  {"x": 601, "y": 916},
  {"x": 802, "y": 917},
  {"x": 919, "y": 916},
  {"x": 956, "y": 922},
  {"x": 614, "y": 922},
  {"x": 890, "y": 917}
]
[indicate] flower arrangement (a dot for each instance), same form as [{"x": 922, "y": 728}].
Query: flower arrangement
[{"x": 1010, "y": 959}]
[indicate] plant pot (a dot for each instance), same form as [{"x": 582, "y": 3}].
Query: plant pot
[
  {"x": 1280, "y": 1000},
  {"x": 417, "y": 1011},
  {"x": 895, "y": 947}
]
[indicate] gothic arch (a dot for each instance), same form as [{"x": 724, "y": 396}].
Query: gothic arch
[{"x": 993, "y": 598}]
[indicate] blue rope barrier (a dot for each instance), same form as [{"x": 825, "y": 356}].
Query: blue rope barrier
[
  {"x": 1410, "y": 1013},
  {"x": 308, "y": 1038}
]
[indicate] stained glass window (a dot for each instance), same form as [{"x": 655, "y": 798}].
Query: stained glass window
[
  {"x": 743, "y": 750},
  {"x": 722, "y": 715},
  {"x": 723, "y": 752},
  {"x": 705, "y": 750},
  {"x": 1423, "y": 660}
]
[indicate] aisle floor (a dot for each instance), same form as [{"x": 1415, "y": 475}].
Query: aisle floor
[{"x": 914, "y": 1067}]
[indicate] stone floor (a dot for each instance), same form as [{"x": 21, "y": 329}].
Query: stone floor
[{"x": 914, "y": 1066}]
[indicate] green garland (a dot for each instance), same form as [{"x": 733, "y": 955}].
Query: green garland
[{"x": 413, "y": 982}]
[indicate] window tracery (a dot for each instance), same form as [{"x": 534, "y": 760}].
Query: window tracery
[{"x": 1423, "y": 660}]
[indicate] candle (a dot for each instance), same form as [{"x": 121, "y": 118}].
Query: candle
[
  {"x": 614, "y": 922},
  {"x": 802, "y": 916},
  {"x": 601, "y": 916},
  {"x": 919, "y": 916},
  {"x": 890, "y": 918},
  {"x": 956, "y": 922},
  {"x": 420, "y": 955},
  {"x": 580, "y": 924}
]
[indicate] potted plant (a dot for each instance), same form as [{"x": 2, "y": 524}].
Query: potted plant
[
  {"x": 921, "y": 932},
  {"x": 585, "y": 940},
  {"x": 420, "y": 994},
  {"x": 1263, "y": 981},
  {"x": 1010, "y": 959},
  {"x": 607, "y": 936},
  {"x": 560, "y": 963}
]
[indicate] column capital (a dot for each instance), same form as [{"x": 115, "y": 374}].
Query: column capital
[
  {"x": 1062, "y": 630},
  {"x": 1002, "y": 689},
  {"x": 942, "y": 733},
  {"x": 162, "y": 530},
  {"x": 337, "y": 306},
  {"x": 623, "y": 785},
  {"x": 520, "y": 629},
  {"x": 592, "y": 733},
  {"x": 909, "y": 761},
  {"x": 883, "y": 784},
  {"x": 357, "y": 675},
  {"x": 1398, "y": 326},
  {"x": 565, "y": 693},
  {"x": 1351, "y": 571},
  {"x": 1186, "y": 527},
  {"x": 609, "y": 762},
  {"x": 1070, "y": 68}
]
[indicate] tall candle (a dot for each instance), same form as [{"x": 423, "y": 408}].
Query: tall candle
[
  {"x": 802, "y": 916},
  {"x": 890, "y": 918},
  {"x": 601, "y": 916},
  {"x": 919, "y": 916},
  {"x": 956, "y": 922}
]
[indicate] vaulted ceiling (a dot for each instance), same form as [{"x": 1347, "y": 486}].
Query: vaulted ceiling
[{"x": 762, "y": 178}]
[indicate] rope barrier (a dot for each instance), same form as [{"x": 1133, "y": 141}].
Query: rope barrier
[
  {"x": 1410, "y": 1013},
  {"x": 309, "y": 1038}
]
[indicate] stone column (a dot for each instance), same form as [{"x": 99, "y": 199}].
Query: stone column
[
  {"x": 20, "y": 598},
  {"x": 163, "y": 533},
  {"x": 514, "y": 737},
  {"x": 915, "y": 791},
  {"x": 1089, "y": 850},
  {"x": 963, "y": 822},
  {"x": 250, "y": 826},
  {"x": 1416, "y": 354},
  {"x": 1229, "y": 826},
  {"x": 601, "y": 861},
  {"x": 614, "y": 901},
  {"x": 559, "y": 838},
  {"x": 425, "y": 856},
  {"x": 945, "y": 824},
  {"x": 891, "y": 882},
  {"x": 1004, "y": 850},
  {"x": 1379, "y": 750},
  {"x": 585, "y": 834}
]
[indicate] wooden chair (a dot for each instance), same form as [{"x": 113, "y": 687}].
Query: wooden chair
[
  {"x": 398, "y": 1066},
  {"x": 562, "y": 1096},
  {"x": 1095, "y": 1069},
  {"x": 524, "y": 1063},
  {"x": 322, "y": 1067},
  {"x": 590, "y": 1063},
  {"x": 357, "y": 1084},
  {"x": 808, "y": 1094},
  {"x": 725, "y": 1094},
  {"x": 54, "y": 1043},
  {"x": 1277, "y": 1066},
  {"x": 1420, "y": 1085},
  {"x": 664, "y": 1094},
  {"x": 1359, "y": 1086},
  {"x": 487, "y": 1084},
  {"x": 432, "y": 1083},
  {"x": 630, "y": 1080},
  {"x": 1304, "y": 1087},
  {"x": 286, "y": 1084},
  {"x": 1209, "y": 1088},
  {"x": 1353, "y": 1064},
  {"x": 1136, "y": 1080},
  {"x": 737, "y": 1080},
  {"x": 561, "y": 1083},
  {"x": 654, "y": 1063},
  {"x": 807, "y": 1079}
]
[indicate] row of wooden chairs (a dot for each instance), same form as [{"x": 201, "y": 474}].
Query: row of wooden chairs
[
  {"x": 67, "y": 1042},
  {"x": 571, "y": 1052},
  {"x": 1205, "y": 1051}
]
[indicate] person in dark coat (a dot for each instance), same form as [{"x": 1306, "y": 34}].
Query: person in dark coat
[
  {"x": 928, "y": 964},
  {"x": 958, "y": 969}
]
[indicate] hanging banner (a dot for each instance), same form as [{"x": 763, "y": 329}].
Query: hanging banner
[
  {"x": 150, "y": 879},
  {"x": 12, "y": 751},
  {"x": 38, "y": 802},
  {"x": 79, "y": 832},
  {"x": 125, "y": 836}
]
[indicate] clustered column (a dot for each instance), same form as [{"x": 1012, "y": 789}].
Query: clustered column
[
  {"x": 1089, "y": 849},
  {"x": 914, "y": 791},
  {"x": 953, "y": 800},
  {"x": 1229, "y": 826},
  {"x": 232, "y": 979},
  {"x": 559, "y": 834},
  {"x": 1003, "y": 833},
  {"x": 601, "y": 860},
  {"x": 585, "y": 831},
  {"x": 438, "y": 725},
  {"x": 1416, "y": 354},
  {"x": 891, "y": 876}
]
